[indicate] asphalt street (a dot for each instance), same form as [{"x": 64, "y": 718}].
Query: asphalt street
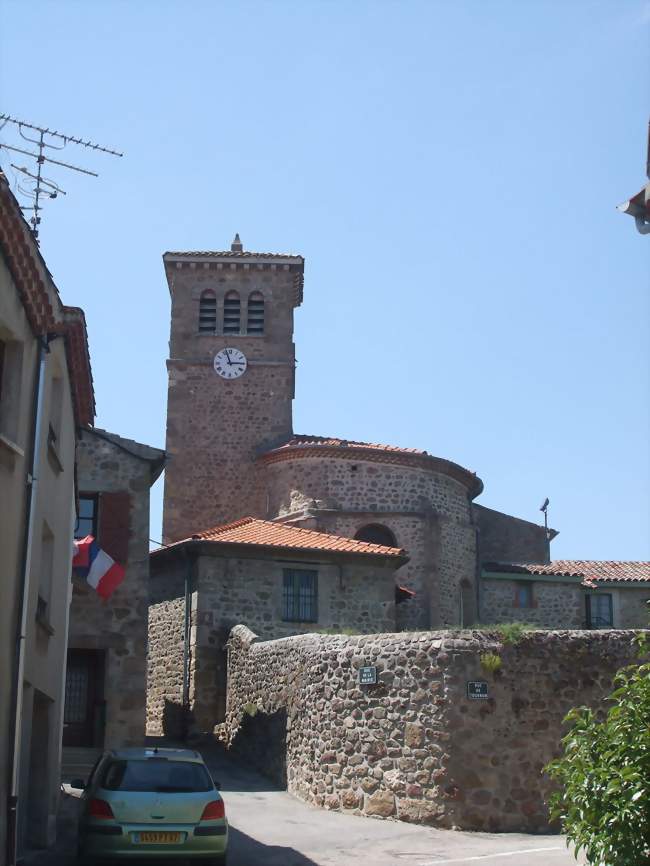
[{"x": 268, "y": 827}]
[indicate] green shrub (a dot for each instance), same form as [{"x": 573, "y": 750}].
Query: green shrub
[
  {"x": 512, "y": 632},
  {"x": 490, "y": 662},
  {"x": 604, "y": 774}
]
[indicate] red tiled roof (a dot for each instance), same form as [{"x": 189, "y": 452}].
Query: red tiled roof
[
  {"x": 334, "y": 442},
  {"x": 590, "y": 570},
  {"x": 37, "y": 290},
  {"x": 332, "y": 446},
  {"x": 231, "y": 254},
  {"x": 266, "y": 533}
]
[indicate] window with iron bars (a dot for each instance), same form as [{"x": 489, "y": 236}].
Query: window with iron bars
[
  {"x": 300, "y": 595},
  {"x": 599, "y": 611}
]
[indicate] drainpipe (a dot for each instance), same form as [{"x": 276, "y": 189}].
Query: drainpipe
[{"x": 13, "y": 804}]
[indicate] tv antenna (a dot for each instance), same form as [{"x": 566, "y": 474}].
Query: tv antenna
[{"x": 36, "y": 186}]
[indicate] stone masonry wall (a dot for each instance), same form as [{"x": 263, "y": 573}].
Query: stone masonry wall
[
  {"x": 165, "y": 655},
  {"x": 216, "y": 428},
  {"x": 428, "y": 512},
  {"x": 560, "y": 605},
  {"x": 414, "y": 746},
  {"x": 352, "y": 595},
  {"x": 119, "y": 626},
  {"x": 504, "y": 538},
  {"x": 556, "y": 605}
]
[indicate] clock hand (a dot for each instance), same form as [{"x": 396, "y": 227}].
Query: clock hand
[{"x": 228, "y": 356}]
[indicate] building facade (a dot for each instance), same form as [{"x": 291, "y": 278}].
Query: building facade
[
  {"x": 107, "y": 645},
  {"x": 45, "y": 393},
  {"x": 569, "y": 593},
  {"x": 282, "y": 579}
]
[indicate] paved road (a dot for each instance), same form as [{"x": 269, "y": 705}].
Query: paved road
[{"x": 271, "y": 828}]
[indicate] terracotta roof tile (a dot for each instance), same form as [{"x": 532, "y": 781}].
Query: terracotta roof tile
[
  {"x": 266, "y": 533},
  {"x": 591, "y": 571},
  {"x": 334, "y": 442},
  {"x": 230, "y": 254}
]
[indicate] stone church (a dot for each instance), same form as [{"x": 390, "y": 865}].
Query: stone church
[
  {"x": 287, "y": 532},
  {"x": 233, "y": 452}
]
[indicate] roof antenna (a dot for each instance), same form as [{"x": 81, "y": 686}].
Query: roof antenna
[{"x": 42, "y": 186}]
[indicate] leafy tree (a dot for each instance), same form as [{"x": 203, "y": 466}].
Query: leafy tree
[{"x": 604, "y": 774}]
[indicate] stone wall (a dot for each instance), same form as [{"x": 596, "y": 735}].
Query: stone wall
[
  {"x": 560, "y": 604},
  {"x": 633, "y": 611},
  {"x": 353, "y": 595},
  {"x": 165, "y": 655},
  {"x": 414, "y": 746},
  {"x": 555, "y": 604},
  {"x": 427, "y": 511},
  {"x": 504, "y": 538},
  {"x": 117, "y": 627}
]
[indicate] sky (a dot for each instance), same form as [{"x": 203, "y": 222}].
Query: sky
[{"x": 450, "y": 171}]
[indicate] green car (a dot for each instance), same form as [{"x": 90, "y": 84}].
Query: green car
[{"x": 151, "y": 803}]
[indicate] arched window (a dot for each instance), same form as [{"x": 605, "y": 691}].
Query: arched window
[
  {"x": 255, "y": 323},
  {"x": 231, "y": 313},
  {"x": 375, "y": 533},
  {"x": 207, "y": 313}
]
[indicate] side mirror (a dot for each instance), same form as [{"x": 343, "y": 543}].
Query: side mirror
[
  {"x": 78, "y": 783},
  {"x": 217, "y": 785}
]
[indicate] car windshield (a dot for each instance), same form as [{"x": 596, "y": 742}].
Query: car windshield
[{"x": 158, "y": 775}]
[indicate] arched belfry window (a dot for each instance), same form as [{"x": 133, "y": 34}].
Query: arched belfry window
[
  {"x": 207, "y": 312},
  {"x": 375, "y": 533},
  {"x": 231, "y": 314},
  {"x": 255, "y": 322}
]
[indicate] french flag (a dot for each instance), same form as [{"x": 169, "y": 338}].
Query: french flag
[{"x": 93, "y": 563}]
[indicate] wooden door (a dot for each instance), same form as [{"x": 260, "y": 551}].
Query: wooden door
[{"x": 83, "y": 697}]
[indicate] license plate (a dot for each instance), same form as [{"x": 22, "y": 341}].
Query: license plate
[{"x": 157, "y": 838}]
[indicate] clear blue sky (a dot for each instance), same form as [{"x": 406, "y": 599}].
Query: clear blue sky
[{"x": 449, "y": 170}]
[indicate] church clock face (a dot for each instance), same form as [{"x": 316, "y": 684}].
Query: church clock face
[{"x": 230, "y": 363}]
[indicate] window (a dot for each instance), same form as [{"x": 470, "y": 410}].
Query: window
[
  {"x": 231, "y": 313},
  {"x": 207, "y": 313},
  {"x": 11, "y": 369},
  {"x": 524, "y": 595},
  {"x": 375, "y": 533},
  {"x": 255, "y": 322},
  {"x": 300, "y": 595},
  {"x": 87, "y": 520},
  {"x": 599, "y": 611},
  {"x": 156, "y": 774},
  {"x": 45, "y": 574}
]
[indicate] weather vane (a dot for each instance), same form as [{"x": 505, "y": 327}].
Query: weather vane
[{"x": 36, "y": 186}]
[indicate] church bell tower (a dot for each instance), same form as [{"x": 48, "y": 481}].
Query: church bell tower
[{"x": 231, "y": 380}]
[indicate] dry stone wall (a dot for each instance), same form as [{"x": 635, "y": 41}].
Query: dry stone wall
[{"x": 414, "y": 746}]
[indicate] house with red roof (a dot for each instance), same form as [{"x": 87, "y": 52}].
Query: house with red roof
[
  {"x": 567, "y": 593},
  {"x": 279, "y": 578}
]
